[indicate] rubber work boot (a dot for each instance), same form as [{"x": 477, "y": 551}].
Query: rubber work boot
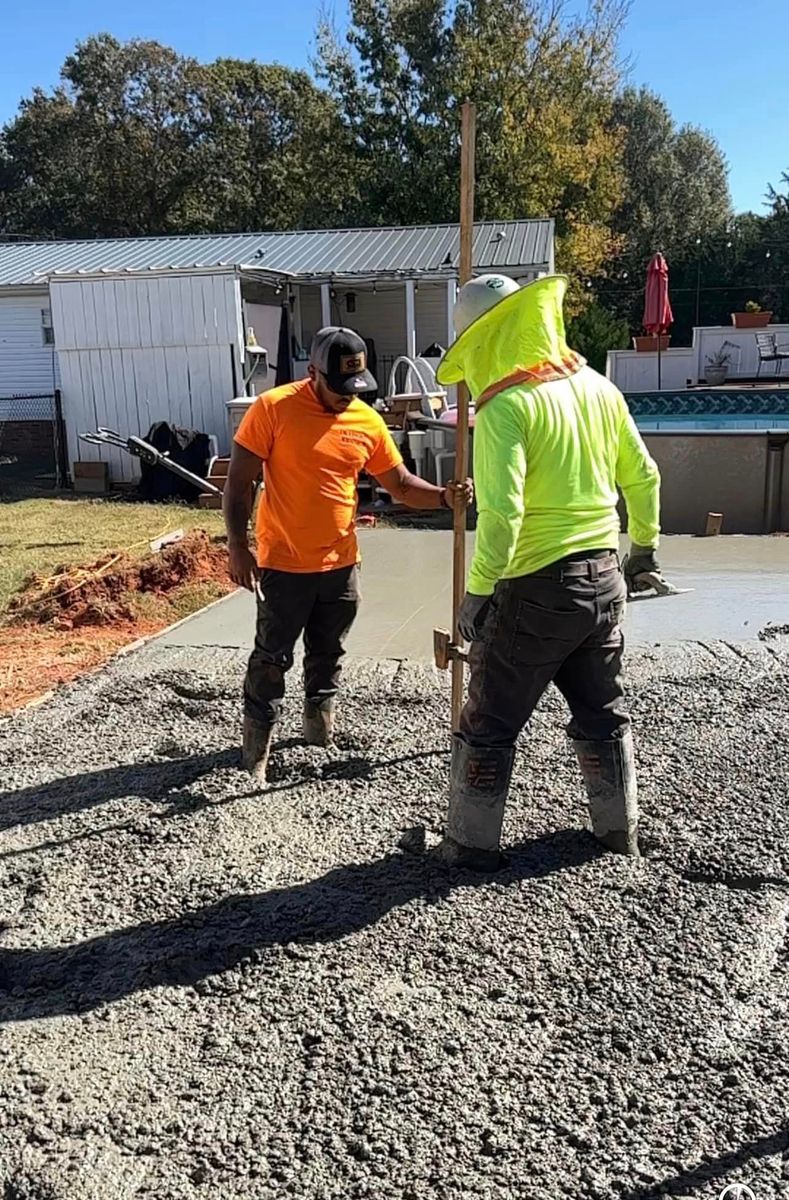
[
  {"x": 256, "y": 748},
  {"x": 609, "y": 772},
  {"x": 479, "y": 782},
  {"x": 318, "y": 725}
]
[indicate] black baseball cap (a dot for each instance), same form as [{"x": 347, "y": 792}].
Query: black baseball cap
[{"x": 341, "y": 357}]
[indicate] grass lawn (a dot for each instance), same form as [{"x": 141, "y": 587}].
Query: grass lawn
[{"x": 38, "y": 535}]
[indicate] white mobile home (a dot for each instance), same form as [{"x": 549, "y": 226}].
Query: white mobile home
[{"x": 134, "y": 331}]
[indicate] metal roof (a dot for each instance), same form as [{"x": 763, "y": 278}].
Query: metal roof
[{"x": 308, "y": 255}]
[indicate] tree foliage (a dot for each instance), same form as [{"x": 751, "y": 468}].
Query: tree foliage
[
  {"x": 595, "y": 331},
  {"x": 139, "y": 140},
  {"x": 276, "y": 153},
  {"x": 675, "y": 186},
  {"x": 113, "y": 151},
  {"x": 544, "y": 84}
]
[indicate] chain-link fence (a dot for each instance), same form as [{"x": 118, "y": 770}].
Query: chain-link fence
[{"x": 33, "y": 441}]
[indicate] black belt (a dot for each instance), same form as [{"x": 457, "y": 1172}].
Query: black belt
[{"x": 591, "y": 567}]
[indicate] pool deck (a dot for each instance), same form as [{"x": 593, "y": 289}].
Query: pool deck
[{"x": 741, "y": 585}]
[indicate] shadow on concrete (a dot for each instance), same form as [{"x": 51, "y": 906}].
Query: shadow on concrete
[
  {"x": 158, "y": 779},
  {"x": 77, "y": 793},
  {"x": 245, "y": 928},
  {"x": 714, "y": 1170}
]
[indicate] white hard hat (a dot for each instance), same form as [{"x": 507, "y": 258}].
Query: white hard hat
[{"x": 478, "y": 295}]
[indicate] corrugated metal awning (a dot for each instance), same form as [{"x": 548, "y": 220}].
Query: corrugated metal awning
[{"x": 517, "y": 246}]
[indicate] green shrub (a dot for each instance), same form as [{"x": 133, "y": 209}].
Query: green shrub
[{"x": 594, "y": 332}]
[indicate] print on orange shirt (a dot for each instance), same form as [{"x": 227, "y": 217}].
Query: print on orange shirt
[{"x": 307, "y": 511}]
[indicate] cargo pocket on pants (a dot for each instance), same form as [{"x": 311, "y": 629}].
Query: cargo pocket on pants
[
  {"x": 617, "y": 607},
  {"x": 544, "y": 635}
]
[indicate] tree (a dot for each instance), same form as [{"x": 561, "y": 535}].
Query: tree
[
  {"x": 109, "y": 152},
  {"x": 388, "y": 75},
  {"x": 543, "y": 82},
  {"x": 675, "y": 186},
  {"x": 139, "y": 140},
  {"x": 277, "y": 155},
  {"x": 779, "y": 201},
  {"x": 594, "y": 332}
]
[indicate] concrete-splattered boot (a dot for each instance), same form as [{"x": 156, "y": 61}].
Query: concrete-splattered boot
[
  {"x": 609, "y": 773},
  {"x": 318, "y": 724},
  {"x": 256, "y": 748},
  {"x": 479, "y": 782}
]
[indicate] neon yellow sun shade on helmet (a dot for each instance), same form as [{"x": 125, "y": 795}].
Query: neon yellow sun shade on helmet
[{"x": 520, "y": 339}]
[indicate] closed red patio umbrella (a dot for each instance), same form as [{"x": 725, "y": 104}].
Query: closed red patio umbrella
[{"x": 658, "y": 317}]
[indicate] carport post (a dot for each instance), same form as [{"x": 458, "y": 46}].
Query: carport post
[
  {"x": 452, "y": 288},
  {"x": 298, "y": 322},
  {"x": 325, "y": 304},
  {"x": 410, "y": 318}
]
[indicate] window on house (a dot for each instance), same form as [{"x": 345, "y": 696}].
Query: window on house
[{"x": 47, "y": 332}]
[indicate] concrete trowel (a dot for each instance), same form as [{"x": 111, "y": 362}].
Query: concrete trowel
[{"x": 651, "y": 585}]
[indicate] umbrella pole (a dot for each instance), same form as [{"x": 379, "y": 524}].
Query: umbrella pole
[
  {"x": 659, "y": 371},
  {"x": 467, "y": 157}
]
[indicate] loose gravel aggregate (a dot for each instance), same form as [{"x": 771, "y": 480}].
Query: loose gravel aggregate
[{"x": 208, "y": 991}]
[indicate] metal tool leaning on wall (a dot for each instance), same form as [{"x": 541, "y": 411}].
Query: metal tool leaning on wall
[{"x": 554, "y": 441}]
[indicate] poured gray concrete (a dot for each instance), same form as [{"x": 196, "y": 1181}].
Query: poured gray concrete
[
  {"x": 741, "y": 585},
  {"x": 212, "y": 993}
]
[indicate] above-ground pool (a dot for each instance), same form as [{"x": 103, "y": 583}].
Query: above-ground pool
[{"x": 713, "y": 423}]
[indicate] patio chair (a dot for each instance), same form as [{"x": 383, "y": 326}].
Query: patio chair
[{"x": 770, "y": 351}]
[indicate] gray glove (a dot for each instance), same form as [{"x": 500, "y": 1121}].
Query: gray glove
[
  {"x": 473, "y": 612},
  {"x": 642, "y": 570}
]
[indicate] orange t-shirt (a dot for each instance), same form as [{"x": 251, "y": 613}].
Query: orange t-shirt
[{"x": 306, "y": 519}]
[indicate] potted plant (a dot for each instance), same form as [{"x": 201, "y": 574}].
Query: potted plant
[
  {"x": 717, "y": 367},
  {"x": 649, "y": 343},
  {"x": 753, "y": 317}
]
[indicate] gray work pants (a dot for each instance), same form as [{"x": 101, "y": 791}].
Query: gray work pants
[
  {"x": 562, "y": 626},
  {"x": 320, "y": 605}
]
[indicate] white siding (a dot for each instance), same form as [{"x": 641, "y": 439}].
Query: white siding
[
  {"x": 634, "y": 372},
  {"x": 27, "y": 366},
  {"x": 135, "y": 351},
  {"x": 190, "y": 310}
]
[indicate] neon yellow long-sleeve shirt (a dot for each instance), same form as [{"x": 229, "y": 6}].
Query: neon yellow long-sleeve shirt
[
  {"x": 548, "y": 459},
  {"x": 548, "y": 456}
]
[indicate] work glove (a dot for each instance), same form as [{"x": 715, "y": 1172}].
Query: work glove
[
  {"x": 472, "y": 616},
  {"x": 642, "y": 572}
]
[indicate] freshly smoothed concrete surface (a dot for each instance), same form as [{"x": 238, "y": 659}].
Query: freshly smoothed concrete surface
[{"x": 741, "y": 585}]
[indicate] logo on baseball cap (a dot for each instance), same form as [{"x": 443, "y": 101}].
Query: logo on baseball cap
[{"x": 341, "y": 357}]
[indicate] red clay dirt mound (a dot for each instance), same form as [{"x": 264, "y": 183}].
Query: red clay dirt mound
[{"x": 101, "y": 593}]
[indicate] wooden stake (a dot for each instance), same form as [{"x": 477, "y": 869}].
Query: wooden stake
[
  {"x": 714, "y": 524},
  {"x": 467, "y": 160}
]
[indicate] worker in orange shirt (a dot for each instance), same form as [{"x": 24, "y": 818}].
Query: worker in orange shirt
[{"x": 314, "y": 437}]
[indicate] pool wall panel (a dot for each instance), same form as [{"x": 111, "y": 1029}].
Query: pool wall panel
[{"x": 705, "y": 473}]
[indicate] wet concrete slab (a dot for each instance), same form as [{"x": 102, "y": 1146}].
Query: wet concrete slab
[{"x": 741, "y": 585}]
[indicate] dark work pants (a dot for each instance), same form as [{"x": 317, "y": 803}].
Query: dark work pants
[
  {"x": 550, "y": 628},
  {"x": 322, "y": 606}
]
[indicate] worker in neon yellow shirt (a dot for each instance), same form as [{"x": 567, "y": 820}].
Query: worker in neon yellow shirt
[{"x": 553, "y": 441}]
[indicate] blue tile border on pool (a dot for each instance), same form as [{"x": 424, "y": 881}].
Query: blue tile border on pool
[{"x": 700, "y": 403}]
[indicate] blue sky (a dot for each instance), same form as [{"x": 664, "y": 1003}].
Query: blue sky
[{"x": 714, "y": 61}]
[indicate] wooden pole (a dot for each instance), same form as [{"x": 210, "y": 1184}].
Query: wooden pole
[{"x": 467, "y": 160}]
